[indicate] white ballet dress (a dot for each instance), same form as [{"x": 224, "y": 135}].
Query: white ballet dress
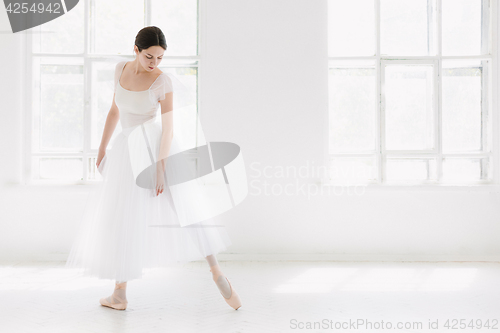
[{"x": 125, "y": 228}]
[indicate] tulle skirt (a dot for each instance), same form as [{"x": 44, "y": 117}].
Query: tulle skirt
[{"x": 126, "y": 228}]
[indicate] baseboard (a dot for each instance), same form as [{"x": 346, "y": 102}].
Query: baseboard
[
  {"x": 291, "y": 257},
  {"x": 355, "y": 257}
]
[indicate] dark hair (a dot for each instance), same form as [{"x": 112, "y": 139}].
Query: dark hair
[{"x": 150, "y": 36}]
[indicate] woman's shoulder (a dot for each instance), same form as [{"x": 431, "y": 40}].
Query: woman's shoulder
[
  {"x": 164, "y": 78},
  {"x": 118, "y": 69},
  {"x": 162, "y": 85},
  {"x": 119, "y": 65}
]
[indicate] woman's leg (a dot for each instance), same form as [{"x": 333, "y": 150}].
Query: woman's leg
[
  {"x": 212, "y": 260},
  {"x": 119, "y": 294},
  {"x": 221, "y": 282}
]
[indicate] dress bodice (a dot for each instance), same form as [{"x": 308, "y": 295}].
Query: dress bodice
[
  {"x": 135, "y": 107},
  {"x": 138, "y": 107}
]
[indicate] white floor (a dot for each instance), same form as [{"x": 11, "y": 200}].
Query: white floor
[{"x": 276, "y": 297}]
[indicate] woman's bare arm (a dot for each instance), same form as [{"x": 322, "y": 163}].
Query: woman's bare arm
[
  {"x": 167, "y": 127},
  {"x": 167, "y": 134},
  {"x": 111, "y": 122}
]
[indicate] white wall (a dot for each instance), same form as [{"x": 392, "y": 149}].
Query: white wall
[{"x": 263, "y": 86}]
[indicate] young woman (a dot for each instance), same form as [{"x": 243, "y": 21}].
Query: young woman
[{"x": 117, "y": 237}]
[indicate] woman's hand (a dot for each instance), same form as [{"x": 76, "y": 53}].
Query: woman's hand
[
  {"x": 100, "y": 156},
  {"x": 160, "y": 178}
]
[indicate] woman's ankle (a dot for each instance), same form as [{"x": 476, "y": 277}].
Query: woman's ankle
[{"x": 121, "y": 285}]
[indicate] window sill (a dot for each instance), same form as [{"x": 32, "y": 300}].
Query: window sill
[
  {"x": 367, "y": 187},
  {"x": 43, "y": 185},
  {"x": 470, "y": 187},
  {"x": 50, "y": 186}
]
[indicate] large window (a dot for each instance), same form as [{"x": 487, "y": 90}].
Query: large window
[
  {"x": 72, "y": 61},
  {"x": 410, "y": 91}
]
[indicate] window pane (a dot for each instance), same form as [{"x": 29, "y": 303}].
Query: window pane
[
  {"x": 178, "y": 19},
  {"x": 352, "y": 170},
  {"x": 57, "y": 168},
  {"x": 463, "y": 170},
  {"x": 461, "y": 106},
  {"x": 352, "y": 109},
  {"x": 400, "y": 169},
  {"x": 102, "y": 99},
  {"x": 59, "y": 120},
  {"x": 409, "y": 107},
  {"x": 461, "y": 27},
  {"x": 116, "y": 26},
  {"x": 351, "y": 27},
  {"x": 405, "y": 26},
  {"x": 92, "y": 172},
  {"x": 61, "y": 35}
]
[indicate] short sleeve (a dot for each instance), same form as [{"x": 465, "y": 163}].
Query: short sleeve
[
  {"x": 167, "y": 83},
  {"x": 118, "y": 70},
  {"x": 162, "y": 86}
]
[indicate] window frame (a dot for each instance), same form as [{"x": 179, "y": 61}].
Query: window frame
[
  {"x": 87, "y": 154},
  {"x": 490, "y": 118}
]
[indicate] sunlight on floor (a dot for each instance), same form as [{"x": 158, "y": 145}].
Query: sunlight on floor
[
  {"x": 328, "y": 279},
  {"x": 36, "y": 278}
]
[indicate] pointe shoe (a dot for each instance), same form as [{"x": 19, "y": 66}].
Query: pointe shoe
[
  {"x": 120, "y": 304},
  {"x": 233, "y": 301}
]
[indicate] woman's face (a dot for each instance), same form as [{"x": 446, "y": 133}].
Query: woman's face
[{"x": 150, "y": 58}]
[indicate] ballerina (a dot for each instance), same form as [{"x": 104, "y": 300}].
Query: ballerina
[{"x": 116, "y": 239}]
